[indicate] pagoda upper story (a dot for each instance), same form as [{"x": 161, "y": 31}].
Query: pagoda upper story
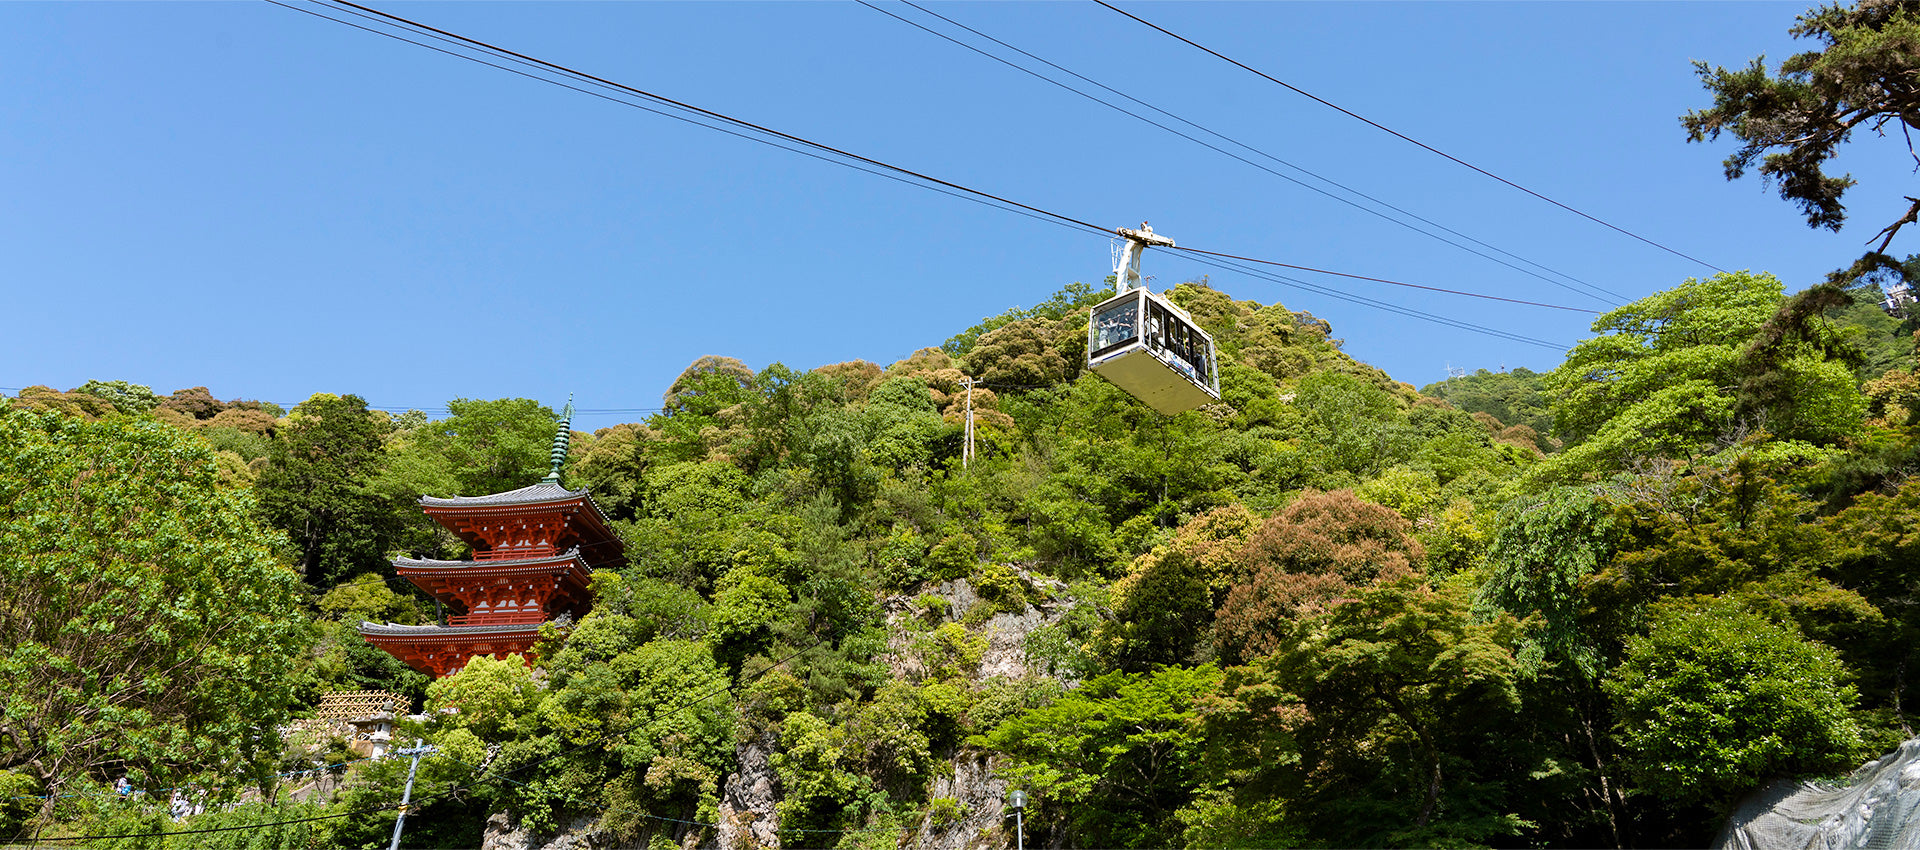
[
  {"x": 539, "y": 521},
  {"x": 534, "y": 552}
]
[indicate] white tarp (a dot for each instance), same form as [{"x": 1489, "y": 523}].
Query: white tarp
[{"x": 1877, "y": 807}]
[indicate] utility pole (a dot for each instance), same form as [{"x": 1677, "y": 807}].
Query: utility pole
[
  {"x": 400, "y": 820},
  {"x": 966, "y": 451}
]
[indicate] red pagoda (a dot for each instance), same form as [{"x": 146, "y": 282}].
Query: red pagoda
[{"x": 533, "y": 552}]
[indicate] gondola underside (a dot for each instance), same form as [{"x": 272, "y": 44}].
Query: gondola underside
[{"x": 1151, "y": 380}]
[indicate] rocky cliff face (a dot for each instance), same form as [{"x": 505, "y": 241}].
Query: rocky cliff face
[
  {"x": 748, "y": 820},
  {"x": 966, "y": 807}
]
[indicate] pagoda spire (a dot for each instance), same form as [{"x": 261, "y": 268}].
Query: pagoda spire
[{"x": 561, "y": 437}]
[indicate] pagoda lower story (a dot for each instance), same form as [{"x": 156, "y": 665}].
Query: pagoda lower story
[{"x": 534, "y": 553}]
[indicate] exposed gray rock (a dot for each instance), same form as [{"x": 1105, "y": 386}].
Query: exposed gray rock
[
  {"x": 748, "y": 820},
  {"x": 978, "y": 797},
  {"x": 580, "y": 834}
]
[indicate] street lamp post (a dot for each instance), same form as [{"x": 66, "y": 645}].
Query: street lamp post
[{"x": 1017, "y": 801}]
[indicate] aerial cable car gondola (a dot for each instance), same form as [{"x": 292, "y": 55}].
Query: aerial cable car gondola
[{"x": 1144, "y": 344}]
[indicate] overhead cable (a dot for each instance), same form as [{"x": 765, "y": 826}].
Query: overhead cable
[
  {"x": 845, "y": 157},
  {"x": 1589, "y": 290},
  {"x": 1402, "y": 136}
]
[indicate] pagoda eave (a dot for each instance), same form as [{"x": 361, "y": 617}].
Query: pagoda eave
[{"x": 441, "y": 651}]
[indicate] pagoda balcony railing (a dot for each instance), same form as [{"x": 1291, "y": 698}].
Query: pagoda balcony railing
[
  {"x": 509, "y": 553},
  {"x": 503, "y": 617}
]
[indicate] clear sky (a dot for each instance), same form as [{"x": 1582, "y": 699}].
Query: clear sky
[{"x": 242, "y": 196}]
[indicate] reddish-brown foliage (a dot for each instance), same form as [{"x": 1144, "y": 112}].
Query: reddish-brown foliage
[{"x": 1307, "y": 557}]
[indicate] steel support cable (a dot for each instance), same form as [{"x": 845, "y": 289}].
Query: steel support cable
[
  {"x": 708, "y": 113},
  {"x": 677, "y": 117},
  {"x": 1232, "y": 265},
  {"x": 1402, "y": 136},
  {"x": 1384, "y": 280},
  {"x": 1058, "y": 218},
  {"x": 1602, "y": 295}
]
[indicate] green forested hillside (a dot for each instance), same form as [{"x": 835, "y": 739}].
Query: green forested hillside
[{"x": 1590, "y": 607}]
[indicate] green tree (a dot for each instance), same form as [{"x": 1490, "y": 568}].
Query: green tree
[
  {"x": 1715, "y": 700},
  {"x": 125, "y": 397},
  {"x": 148, "y": 625},
  {"x": 1514, "y": 397},
  {"x": 314, "y": 487},
  {"x": 1380, "y": 722},
  {"x": 493, "y": 699},
  {"x": 1542, "y": 550},
  {"x": 491, "y": 446},
  {"x": 1666, "y": 378},
  {"x": 1111, "y": 761},
  {"x": 1794, "y": 122}
]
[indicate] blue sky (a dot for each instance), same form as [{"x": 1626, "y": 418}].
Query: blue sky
[{"x": 242, "y": 196}]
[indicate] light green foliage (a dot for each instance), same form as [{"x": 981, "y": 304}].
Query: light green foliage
[
  {"x": 1068, "y": 647},
  {"x": 687, "y": 532},
  {"x": 1072, "y": 301},
  {"x": 495, "y": 700},
  {"x": 491, "y": 446},
  {"x": 369, "y": 598},
  {"x": 949, "y": 651},
  {"x": 1163, "y": 607},
  {"x": 1715, "y": 699},
  {"x": 1353, "y": 429},
  {"x": 1678, "y": 344},
  {"x": 1111, "y": 761},
  {"x": 745, "y": 607},
  {"x": 132, "y": 399},
  {"x": 1884, "y": 342},
  {"x": 294, "y": 826},
  {"x": 1662, "y": 380},
  {"x": 1001, "y": 590},
  {"x": 147, "y": 622},
  {"x": 906, "y": 425},
  {"x": 1029, "y": 353},
  {"x": 812, "y": 763},
  {"x": 1379, "y": 722},
  {"x": 626, "y": 726},
  {"x": 1514, "y": 397},
  {"x": 613, "y": 464}
]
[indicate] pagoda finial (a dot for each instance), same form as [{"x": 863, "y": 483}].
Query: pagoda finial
[{"x": 561, "y": 437}]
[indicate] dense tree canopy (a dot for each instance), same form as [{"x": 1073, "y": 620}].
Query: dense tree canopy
[
  {"x": 149, "y": 628},
  {"x": 1328, "y": 610}
]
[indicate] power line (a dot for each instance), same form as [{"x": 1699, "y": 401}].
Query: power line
[
  {"x": 1233, "y": 265},
  {"x": 1385, "y": 280},
  {"x": 690, "y": 108},
  {"x": 1402, "y": 136},
  {"x": 1603, "y": 295},
  {"x": 499, "y": 52}
]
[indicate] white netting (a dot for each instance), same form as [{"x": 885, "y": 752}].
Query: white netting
[{"x": 1878, "y": 807}]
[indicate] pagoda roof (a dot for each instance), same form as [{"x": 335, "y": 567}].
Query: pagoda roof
[
  {"x": 492, "y": 565},
  {"x": 541, "y": 494},
  {"x": 400, "y": 631},
  {"x": 531, "y": 494}
]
